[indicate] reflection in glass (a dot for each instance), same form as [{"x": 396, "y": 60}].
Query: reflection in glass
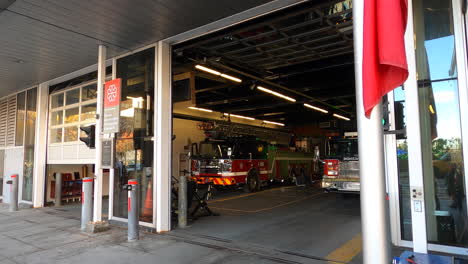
[
  {"x": 2, "y": 164},
  {"x": 29, "y": 144},
  {"x": 20, "y": 115},
  {"x": 70, "y": 134},
  {"x": 56, "y": 135},
  {"x": 56, "y": 118},
  {"x": 73, "y": 96},
  {"x": 88, "y": 112},
  {"x": 134, "y": 145},
  {"x": 442, "y": 155},
  {"x": 72, "y": 115},
  {"x": 88, "y": 92},
  {"x": 403, "y": 168},
  {"x": 57, "y": 100}
]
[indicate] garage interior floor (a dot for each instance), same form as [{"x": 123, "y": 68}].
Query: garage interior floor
[{"x": 296, "y": 220}]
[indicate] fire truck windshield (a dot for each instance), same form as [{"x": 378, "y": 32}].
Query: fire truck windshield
[
  {"x": 213, "y": 150},
  {"x": 343, "y": 148}
]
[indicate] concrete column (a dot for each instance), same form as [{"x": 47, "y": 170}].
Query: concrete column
[
  {"x": 98, "y": 184},
  {"x": 86, "y": 202},
  {"x": 163, "y": 136},
  {"x": 374, "y": 213},
  {"x": 40, "y": 147}
]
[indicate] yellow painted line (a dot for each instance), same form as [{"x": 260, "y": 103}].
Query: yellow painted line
[
  {"x": 249, "y": 194},
  {"x": 346, "y": 252},
  {"x": 268, "y": 208}
]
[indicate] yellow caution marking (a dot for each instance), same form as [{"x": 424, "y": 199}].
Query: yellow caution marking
[{"x": 346, "y": 252}]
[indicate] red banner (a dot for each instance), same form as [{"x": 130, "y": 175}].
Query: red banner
[{"x": 384, "y": 57}]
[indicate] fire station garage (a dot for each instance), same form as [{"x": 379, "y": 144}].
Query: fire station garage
[{"x": 264, "y": 129}]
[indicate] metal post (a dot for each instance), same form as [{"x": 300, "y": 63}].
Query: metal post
[
  {"x": 98, "y": 184},
  {"x": 58, "y": 189},
  {"x": 133, "y": 210},
  {"x": 375, "y": 231},
  {"x": 14, "y": 193},
  {"x": 182, "y": 201},
  {"x": 86, "y": 202}
]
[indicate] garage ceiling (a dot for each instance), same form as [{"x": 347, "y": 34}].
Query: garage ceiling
[
  {"x": 305, "y": 52},
  {"x": 44, "y": 39}
]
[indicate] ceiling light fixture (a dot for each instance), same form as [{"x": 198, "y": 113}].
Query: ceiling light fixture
[
  {"x": 203, "y": 68},
  {"x": 263, "y": 89},
  {"x": 316, "y": 108},
  {"x": 341, "y": 117},
  {"x": 273, "y": 123},
  {"x": 273, "y": 114},
  {"x": 232, "y": 78},
  {"x": 217, "y": 73},
  {"x": 239, "y": 116},
  {"x": 200, "y": 109}
]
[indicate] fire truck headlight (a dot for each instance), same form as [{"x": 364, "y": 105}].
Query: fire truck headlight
[{"x": 225, "y": 165}]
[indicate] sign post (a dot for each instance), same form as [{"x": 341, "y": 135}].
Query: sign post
[{"x": 112, "y": 94}]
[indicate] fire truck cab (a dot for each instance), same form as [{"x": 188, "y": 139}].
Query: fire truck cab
[
  {"x": 341, "y": 164},
  {"x": 247, "y": 162}
]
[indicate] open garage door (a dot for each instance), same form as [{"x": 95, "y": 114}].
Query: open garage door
[{"x": 264, "y": 125}]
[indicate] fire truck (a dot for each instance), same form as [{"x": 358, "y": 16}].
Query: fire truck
[
  {"x": 248, "y": 162},
  {"x": 341, "y": 164}
]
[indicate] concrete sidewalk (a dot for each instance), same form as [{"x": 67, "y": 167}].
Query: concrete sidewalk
[{"x": 48, "y": 235}]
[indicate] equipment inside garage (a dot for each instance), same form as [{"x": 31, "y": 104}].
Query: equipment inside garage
[{"x": 257, "y": 108}]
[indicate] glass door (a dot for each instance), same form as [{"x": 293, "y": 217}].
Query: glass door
[{"x": 441, "y": 85}]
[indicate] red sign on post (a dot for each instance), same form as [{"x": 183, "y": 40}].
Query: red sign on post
[{"x": 112, "y": 93}]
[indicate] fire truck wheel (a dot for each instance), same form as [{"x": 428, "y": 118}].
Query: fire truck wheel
[{"x": 252, "y": 183}]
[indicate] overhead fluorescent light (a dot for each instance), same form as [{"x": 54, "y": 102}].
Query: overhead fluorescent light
[
  {"x": 232, "y": 78},
  {"x": 273, "y": 114},
  {"x": 263, "y": 89},
  {"x": 239, "y": 116},
  {"x": 273, "y": 123},
  {"x": 341, "y": 117},
  {"x": 316, "y": 108},
  {"x": 203, "y": 68},
  {"x": 217, "y": 73},
  {"x": 200, "y": 109}
]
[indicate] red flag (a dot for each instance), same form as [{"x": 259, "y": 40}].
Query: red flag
[{"x": 384, "y": 58}]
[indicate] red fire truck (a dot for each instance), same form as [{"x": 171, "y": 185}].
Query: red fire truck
[
  {"x": 341, "y": 164},
  {"x": 248, "y": 162}
]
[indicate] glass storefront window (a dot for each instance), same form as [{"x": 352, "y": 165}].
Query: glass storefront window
[
  {"x": 134, "y": 145},
  {"x": 88, "y": 112},
  {"x": 56, "y": 101},
  {"x": 56, "y": 135},
  {"x": 20, "y": 115},
  {"x": 30, "y": 132},
  {"x": 70, "y": 134},
  {"x": 73, "y": 97},
  {"x": 56, "y": 118},
  {"x": 88, "y": 92},
  {"x": 72, "y": 115},
  {"x": 443, "y": 166}
]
